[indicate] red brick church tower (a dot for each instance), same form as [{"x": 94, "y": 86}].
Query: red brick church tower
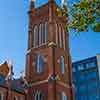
[{"x": 48, "y": 64}]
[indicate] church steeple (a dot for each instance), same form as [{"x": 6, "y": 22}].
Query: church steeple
[{"x": 48, "y": 67}]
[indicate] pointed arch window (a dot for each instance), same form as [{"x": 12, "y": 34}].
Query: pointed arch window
[
  {"x": 57, "y": 34},
  {"x": 1, "y": 96},
  {"x": 15, "y": 98},
  {"x": 64, "y": 39},
  {"x": 62, "y": 65},
  {"x": 46, "y": 32},
  {"x": 64, "y": 97},
  {"x": 39, "y": 63},
  {"x": 60, "y": 37},
  {"x": 41, "y": 34},
  {"x": 38, "y": 95},
  {"x": 35, "y": 39}
]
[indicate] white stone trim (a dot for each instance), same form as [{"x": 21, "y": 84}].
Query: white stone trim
[
  {"x": 63, "y": 84},
  {"x": 45, "y": 81},
  {"x": 43, "y": 44},
  {"x": 38, "y": 83},
  {"x": 28, "y": 51},
  {"x": 33, "y": 64},
  {"x": 66, "y": 65},
  {"x": 58, "y": 61},
  {"x": 51, "y": 43},
  {"x": 45, "y": 59}
]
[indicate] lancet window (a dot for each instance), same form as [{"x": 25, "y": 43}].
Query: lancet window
[
  {"x": 1, "y": 96},
  {"x": 60, "y": 36},
  {"x": 43, "y": 33},
  {"x": 39, "y": 63},
  {"x": 64, "y": 97},
  {"x": 46, "y": 32},
  {"x": 38, "y": 95},
  {"x": 35, "y": 36},
  {"x": 62, "y": 65}
]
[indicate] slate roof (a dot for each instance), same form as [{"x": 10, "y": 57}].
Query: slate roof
[
  {"x": 2, "y": 80},
  {"x": 16, "y": 84}
]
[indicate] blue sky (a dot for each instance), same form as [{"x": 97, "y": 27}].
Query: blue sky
[{"x": 13, "y": 35}]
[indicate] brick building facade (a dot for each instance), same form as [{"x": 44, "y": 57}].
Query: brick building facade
[
  {"x": 10, "y": 89},
  {"x": 48, "y": 65}
]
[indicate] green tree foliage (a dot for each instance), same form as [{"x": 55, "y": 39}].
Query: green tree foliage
[{"x": 84, "y": 15}]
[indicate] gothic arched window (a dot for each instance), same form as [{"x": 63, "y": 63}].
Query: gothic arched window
[
  {"x": 40, "y": 30},
  {"x": 63, "y": 39},
  {"x": 62, "y": 64},
  {"x": 41, "y": 34},
  {"x": 57, "y": 35},
  {"x": 39, "y": 63},
  {"x": 38, "y": 95},
  {"x": 1, "y": 96},
  {"x": 46, "y": 32},
  {"x": 15, "y": 98},
  {"x": 35, "y": 40},
  {"x": 64, "y": 97},
  {"x": 60, "y": 36}
]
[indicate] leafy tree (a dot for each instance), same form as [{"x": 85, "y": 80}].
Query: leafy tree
[{"x": 83, "y": 15}]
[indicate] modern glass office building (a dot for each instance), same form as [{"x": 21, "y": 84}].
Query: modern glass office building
[{"x": 86, "y": 78}]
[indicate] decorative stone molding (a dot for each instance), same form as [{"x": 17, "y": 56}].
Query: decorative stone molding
[
  {"x": 53, "y": 78},
  {"x": 45, "y": 60},
  {"x": 52, "y": 44},
  {"x": 57, "y": 77},
  {"x": 58, "y": 61},
  {"x": 66, "y": 65},
  {"x": 63, "y": 84},
  {"x": 37, "y": 83},
  {"x": 33, "y": 64},
  {"x": 28, "y": 51}
]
